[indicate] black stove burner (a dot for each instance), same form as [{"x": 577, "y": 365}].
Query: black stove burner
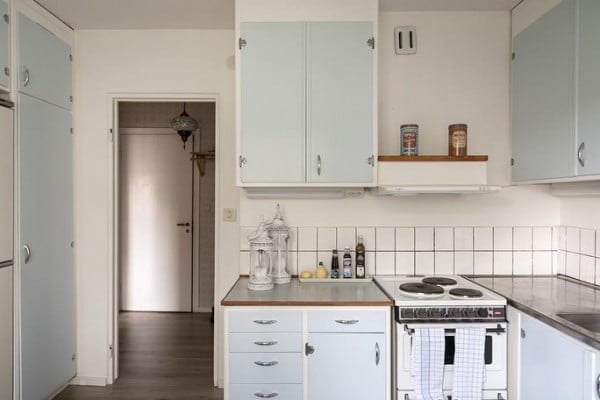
[
  {"x": 465, "y": 293},
  {"x": 439, "y": 280},
  {"x": 422, "y": 288}
]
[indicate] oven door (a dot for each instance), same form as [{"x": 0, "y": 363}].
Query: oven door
[{"x": 495, "y": 383}]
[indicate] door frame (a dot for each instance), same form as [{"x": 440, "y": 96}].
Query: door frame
[{"x": 113, "y": 222}]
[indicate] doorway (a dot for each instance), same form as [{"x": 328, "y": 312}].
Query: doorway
[{"x": 164, "y": 218}]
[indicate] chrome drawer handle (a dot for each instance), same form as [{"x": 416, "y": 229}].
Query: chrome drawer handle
[
  {"x": 269, "y": 343},
  {"x": 347, "y": 321},
  {"x": 266, "y": 395},
  {"x": 580, "y": 151},
  {"x": 27, "y": 77},
  {"x": 27, "y": 253},
  {"x": 265, "y": 321},
  {"x": 266, "y": 363},
  {"x": 319, "y": 164},
  {"x": 377, "y": 354}
]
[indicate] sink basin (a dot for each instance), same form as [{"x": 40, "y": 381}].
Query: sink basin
[{"x": 589, "y": 321}]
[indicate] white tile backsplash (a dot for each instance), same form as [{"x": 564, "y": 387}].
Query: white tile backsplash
[
  {"x": 385, "y": 239},
  {"x": 405, "y": 239},
  {"x": 588, "y": 269},
  {"x": 542, "y": 238},
  {"x": 385, "y": 263},
  {"x": 542, "y": 263},
  {"x": 523, "y": 263},
  {"x": 423, "y": 239},
  {"x": 503, "y": 263},
  {"x": 573, "y": 265},
  {"x": 307, "y": 239},
  {"x": 424, "y": 263},
  {"x": 346, "y": 237},
  {"x": 405, "y": 263},
  {"x": 561, "y": 262},
  {"x": 368, "y": 235},
  {"x": 573, "y": 235},
  {"x": 588, "y": 242},
  {"x": 244, "y": 262},
  {"x": 483, "y": 263},
  {"x": 326, "y": 239},
  {"x": 463, "y": 262},
  {"x": 444, "y": 263},
  {"x": 503, "y": 239},
  {"x": 370, "y": 263},
  {"x": 463, "y": 239},
  {"x": 522, "y": 238},
  {"x": 307, "y": 261},
  {"x": 483, "y": 238},
  {"x": 444, "y": 239}
]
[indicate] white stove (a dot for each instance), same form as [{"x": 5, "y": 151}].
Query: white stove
[{"x": 450, "y": 302}]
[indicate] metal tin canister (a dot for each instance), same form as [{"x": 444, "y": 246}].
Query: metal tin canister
[
  {"x": 457, "y": 140},
  {"x": 409, "y": 140}
]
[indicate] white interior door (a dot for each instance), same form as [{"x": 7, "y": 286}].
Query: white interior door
[{"x": 156, "y": 193}]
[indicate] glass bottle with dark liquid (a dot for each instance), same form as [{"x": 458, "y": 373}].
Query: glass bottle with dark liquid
[
  {"x": 335, "y": 265},
  {"x": 360, "y": 259}
]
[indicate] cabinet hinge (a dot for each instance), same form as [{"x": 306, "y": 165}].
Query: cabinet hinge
[
  {"x": 371, "y": 160},
  {"x": 242, "y": 161},
  {"x": 70, "y": 57},
  {"x": 110, "y": 351},
  {"x": 514, "y": 55},
  {"x": 512, "y": 162},
  {"x": 308, "y": 349},
  {"x": 74, "y": 357},
  {"x": 71, "y": 131},
  {"x": 242, "y": 43},
  {"x": 72, "y": 245},
  {"x": 371, "y": 43},
  {"x": 71, "y": 99},
  {"x": 6, "y": 18},
  {"x": 6, "y": 71}
]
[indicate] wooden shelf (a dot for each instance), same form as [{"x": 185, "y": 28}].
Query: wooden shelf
[{"x": 438, "y": 158}]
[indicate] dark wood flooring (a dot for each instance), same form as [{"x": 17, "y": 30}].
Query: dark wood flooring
[{"x": 163, "y": 356}]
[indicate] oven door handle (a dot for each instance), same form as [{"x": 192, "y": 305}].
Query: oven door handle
[{"x": 497, "y": 330}]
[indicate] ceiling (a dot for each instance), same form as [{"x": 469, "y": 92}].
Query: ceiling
[{"x": 210, "y": 14}]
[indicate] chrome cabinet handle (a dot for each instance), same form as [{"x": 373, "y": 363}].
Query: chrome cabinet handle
[
  {"x": 266, "y": 343},
  {"x": 266, "y": 363},
  {"x": 27, "y": 253},
  {"x": 580, "y": 151},
  {"x": 319, "y": 164},
  {"x": 27, "y": 77},
  {"x": 266, "y": 395},
  {"x": 377, "y": 354},
  {"x": 347, "y": 321},
  {"x": 265, "y": 321}
]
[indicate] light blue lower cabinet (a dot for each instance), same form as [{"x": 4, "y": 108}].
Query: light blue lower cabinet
[
  {"x": 265, "y": 368},
  {"x": 266, "y": 391}
]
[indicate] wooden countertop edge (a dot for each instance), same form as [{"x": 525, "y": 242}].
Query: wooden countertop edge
[
  {"x": 357, "y": 303},
  {"x": 439, "y": 158}
]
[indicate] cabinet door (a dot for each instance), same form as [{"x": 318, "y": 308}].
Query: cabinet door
[
  {"x": 349, "y": 366},
  {"x": 4, "y": 44},
  {"x": 272, "y": 102},
  {"x": 47, "y": 275},
  {"x": 552, "y": 366},
  {"x": 6, "y": 184},
  {"x": 339, "y": 102},
  {"x": 6, "y": 332},
  {"x": 588, "y": 88},
  {"x": 542, "y": 103},
  {"x": 44, "y": 64}
]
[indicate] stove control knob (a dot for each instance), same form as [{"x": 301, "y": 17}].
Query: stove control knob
[
  {"x": 436, "y": 313},
  {"x": 471, "y": 313},
  {"x": 482, "y": 313},
  {"x": 408, "y": 313},
  {"x": 421, "y": 313},
  {"x": 456, "y": 313}
]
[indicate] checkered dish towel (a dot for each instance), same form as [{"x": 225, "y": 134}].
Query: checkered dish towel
[
  {"x": 469, "y": 364},
  {"x": 427, "y": 363}
]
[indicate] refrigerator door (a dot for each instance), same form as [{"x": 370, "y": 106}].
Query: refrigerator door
[{"x": 6, "y": 184}]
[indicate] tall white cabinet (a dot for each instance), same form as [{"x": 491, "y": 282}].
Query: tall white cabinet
[
  {"x": 306, "y": 104},
  {"x": 47, "y": 292}
]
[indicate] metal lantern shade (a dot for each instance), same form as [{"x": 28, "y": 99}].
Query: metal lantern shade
[
  {"x": 261, "y": 252},
  {"x": 280, "y": 233},
  {"x": 184, "y": 125}
]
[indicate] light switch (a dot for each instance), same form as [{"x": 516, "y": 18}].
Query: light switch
[{"x": 229, "y": 214}]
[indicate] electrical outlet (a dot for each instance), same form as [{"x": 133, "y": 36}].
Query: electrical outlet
[{"x": 229, "y": 214}]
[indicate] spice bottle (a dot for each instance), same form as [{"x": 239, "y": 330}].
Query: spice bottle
[
  {"x": 409, "y": 140},
  {"x": 457, "y": 140}
]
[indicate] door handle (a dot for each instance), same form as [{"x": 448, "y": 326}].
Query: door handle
[
  {"x": 27, "y": 76},
  {"x": 580, "y": 151},
  {"x": 377, "y": 354},
  {"x": 319, "y": 164},
  {"x": 183, "y": 224},
  {"x": 27, "y": 253}
]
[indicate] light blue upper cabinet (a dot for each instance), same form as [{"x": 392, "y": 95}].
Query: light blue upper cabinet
[
  {"x": 44, "y": 64},
  {"x": 588, "y": 89},
  {"x": 542, "y": 97},
  {"x": 4, "y": 45},
  {"x": 340, "y": 102},
  {"x": 272, "y": 102}
]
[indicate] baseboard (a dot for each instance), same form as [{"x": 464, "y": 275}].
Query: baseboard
[
  {"x": 221, "y": 383},
  {"x": 88, "y": 381}
]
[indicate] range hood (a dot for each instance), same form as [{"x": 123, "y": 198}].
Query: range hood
[{"x": 441, "y": 175}]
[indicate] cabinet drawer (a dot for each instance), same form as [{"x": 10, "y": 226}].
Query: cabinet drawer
[
  {"x": 347, "y": 321},
  {"x": 266, "y": 391},
  {"x": 265, "y": 368},
  {"x": 265, "y": 321},
  {"x": 277, "y": 342}
]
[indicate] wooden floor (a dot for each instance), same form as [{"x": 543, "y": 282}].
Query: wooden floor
[{"x": 163, "y": 356}]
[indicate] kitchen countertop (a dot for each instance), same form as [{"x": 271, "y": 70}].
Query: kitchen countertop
[
  {"x": 545, "y": 297},
  {"x": 299, "y": 293}
]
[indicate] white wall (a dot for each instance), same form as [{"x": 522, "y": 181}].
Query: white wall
[
  {"x": 580, "y": 212},
  {"x": 461, "y": 73},
  {"x": 138, "y": 61}
]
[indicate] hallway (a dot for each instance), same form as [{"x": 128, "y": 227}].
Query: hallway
[{"x": 163, "y": 356}]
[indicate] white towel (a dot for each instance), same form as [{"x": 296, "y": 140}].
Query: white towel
[
  {"x": 427, "y": 363},
  {"x": 469, "y": 364}
]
